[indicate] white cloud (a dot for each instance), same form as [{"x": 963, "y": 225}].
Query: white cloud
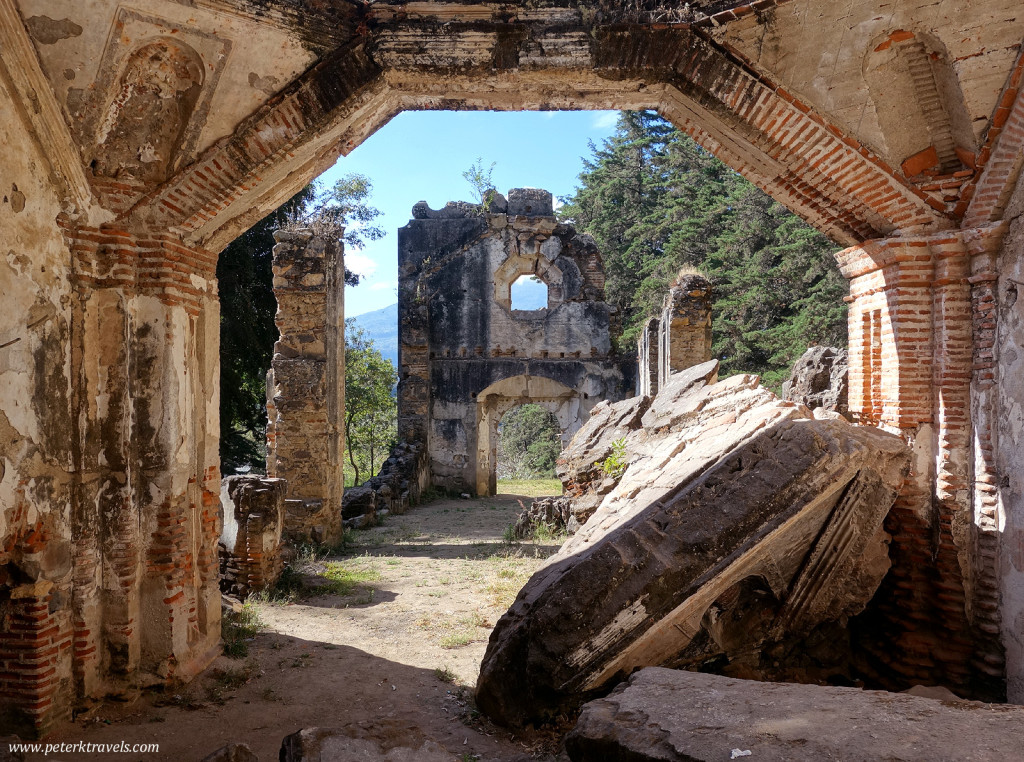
[
  {"x": 360, "y": 264},
  {"x": 383, "y": 286},
  {"x": 556, "y": 203},
  {"x": 605, "y": 120}
]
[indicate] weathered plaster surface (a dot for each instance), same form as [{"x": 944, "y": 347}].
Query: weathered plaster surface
[
  {"x": 1010, "y": 463},
  {"x": 116, "y": 382}
]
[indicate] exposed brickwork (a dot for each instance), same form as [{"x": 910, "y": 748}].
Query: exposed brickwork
[
  {"x": 1000, "y": 158},
  {"x": 913, "y": 313},
  {"x": 250, "y": 548}
]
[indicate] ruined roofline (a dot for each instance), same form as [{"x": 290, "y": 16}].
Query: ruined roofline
[{"x": 520, "y": 202}]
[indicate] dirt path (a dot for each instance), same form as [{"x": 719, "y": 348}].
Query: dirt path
[{"x": 394, "y": 646}]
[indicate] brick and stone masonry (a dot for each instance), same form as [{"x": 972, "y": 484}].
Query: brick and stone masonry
[
  {"x": 904, "y": 146},
  {"x": 250, "y": 541}
]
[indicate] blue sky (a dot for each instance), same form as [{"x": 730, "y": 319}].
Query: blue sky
[{"x": 421, "y": 155}]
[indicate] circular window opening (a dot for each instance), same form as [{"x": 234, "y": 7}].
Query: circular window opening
[{"x": 529, "y": 293}]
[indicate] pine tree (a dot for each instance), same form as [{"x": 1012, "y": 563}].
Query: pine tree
[{"x": 655, "y": 201}]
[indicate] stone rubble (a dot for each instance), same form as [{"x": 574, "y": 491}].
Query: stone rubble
[{"x": 820, "y": 380}]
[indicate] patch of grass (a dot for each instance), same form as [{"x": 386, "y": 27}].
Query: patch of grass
[
  {"x": 530, "y": 487},
  {"x": 231, "y": 679},
  {"x": 237, "y": 629},
  {"x": 455, "y": 632},
  {"x": 544, "y": 533},
  {"x": 342, "y": 580},
  {"x": 444, "y": 674},
  {"x": 508, "y": 536},
  {"x": 506, "y": 580},
  {"x": 456, "y": 639}
]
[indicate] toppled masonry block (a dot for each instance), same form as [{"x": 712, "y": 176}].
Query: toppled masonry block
[
  {"x": 820, "y": 379},
  {"x": 738, "y": 527},
  {"x": 666, "y": 715},
  {"x": 253, "y": 511},
  {"x": 357, "y": 742}
]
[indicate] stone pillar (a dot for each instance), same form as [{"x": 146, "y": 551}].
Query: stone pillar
[
  {"x": 1002, "y": 298},
  {"x": 647, "y": 360},
  {"x": 135, "y": 596},
  {"x": 684, "y": 330},
  {"x": 916, "y": 321},
  {"x": 306, "y": 383},
  {"x": 253, "y": 522}
]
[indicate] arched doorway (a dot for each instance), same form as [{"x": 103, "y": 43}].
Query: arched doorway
[{"x": 502, "y": 396}]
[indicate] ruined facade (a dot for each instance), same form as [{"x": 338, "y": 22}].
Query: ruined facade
[
  {"x": 466, "y": 357},
  {"x": 137, "y": 141}
]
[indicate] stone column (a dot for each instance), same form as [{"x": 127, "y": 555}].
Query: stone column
[
  {"x": 916, "y": 324},
  {"x": 145, "y": 600},
  {"x": 647, "y": 360},
  {"x": 684, "y": 330},
  {"x": 306, "y": 384}
]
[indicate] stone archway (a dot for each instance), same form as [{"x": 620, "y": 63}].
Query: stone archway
[
  {"x": 110, "y": 394},
  {"x": 567, "y": 405}
]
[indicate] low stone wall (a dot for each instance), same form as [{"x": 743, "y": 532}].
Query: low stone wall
[
  {"x": 398, "y": 486},
  {"x": 250, "y": 545}
]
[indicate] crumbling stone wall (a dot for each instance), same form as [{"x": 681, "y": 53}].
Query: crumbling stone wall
[
  {"x": 679, "y": 338},
  {"x": 465, "y": 357},
  {"x": 648, "y": 361},
  {"x": 250, "y": 541},
  {"x": 399, "y": 484},
  {"x": 109, "y": 341},
  {"x": 684, "y": 329},
  {"x": 306, "y": 383}
]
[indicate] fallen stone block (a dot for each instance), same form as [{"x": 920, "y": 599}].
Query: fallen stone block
[
  {"x": 820, "y": 380},
  {"x": 739, "y": 526},
  {"x": 667, "y": 715},
  {"x": 352, "y": 743}
]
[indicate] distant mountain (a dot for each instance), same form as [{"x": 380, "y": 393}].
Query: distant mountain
[{"x": 382, "y": 326}]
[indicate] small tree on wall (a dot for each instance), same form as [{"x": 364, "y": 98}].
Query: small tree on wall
[{"x": 371, "y": 411}]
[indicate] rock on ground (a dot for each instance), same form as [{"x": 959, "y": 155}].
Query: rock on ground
[
  {"x": 353, "y": 744},
  {"x": 664, "y": 714},
  {"x": 740, "y": 526},
  {"x": 233, "y": 752}
]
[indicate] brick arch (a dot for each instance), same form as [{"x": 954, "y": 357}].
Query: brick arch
[
  {"x": 748, "y": 121},
  {"x": 919, "y": 104}
]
